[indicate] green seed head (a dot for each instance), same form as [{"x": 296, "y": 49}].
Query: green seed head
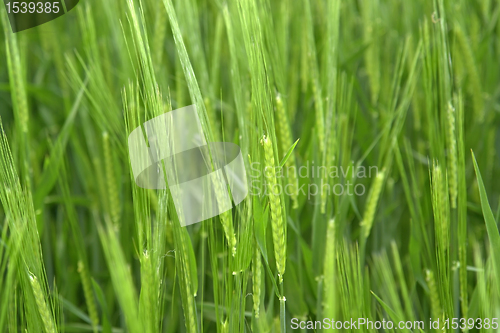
[{"x": 277, "y": 224}]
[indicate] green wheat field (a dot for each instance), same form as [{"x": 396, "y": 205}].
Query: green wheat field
[{"x": 387, "y": 110}]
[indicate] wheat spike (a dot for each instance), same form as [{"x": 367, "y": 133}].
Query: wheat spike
[
  {"x": 434, "y": 296},
  {"x": 371, "y": 204},
  {"x": 286, "y": 143},
  {"x": 43, "y": 308},
  {"x": 329, "y": 270},
  {"x": 277, "y": 224},
  {"x": 89, "y": 294},
  {"x": 256, "y": 279},
  {"x": 320, "y": 118},
  {"x": 113, "y": 200},
  {"x": 452, "y": 156}
]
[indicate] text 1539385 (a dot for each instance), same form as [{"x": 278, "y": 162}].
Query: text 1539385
[{"x": 32, "y": 7}]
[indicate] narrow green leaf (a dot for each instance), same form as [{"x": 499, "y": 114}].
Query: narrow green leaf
[
  {"x": 290, "y": 151},
  {"x": 106, "y": 326},
  {"x": 192, "y": 261},
  {"x": 489, "y": 219}
]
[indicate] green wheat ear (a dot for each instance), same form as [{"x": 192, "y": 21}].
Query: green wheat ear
[
  {"x": 88, "y": 294},
  {"x": 440, "y": 202},
  {"x": 43, "y": 308},
  {"x": 320, "y": 117},
  {"x": 452, "y": 156},
  {"x": 186, "y": 279},
  {"x": 371, "y": 205},
  {"x": 474, "y": 80},
  {"x": 434, "y": 295},
  {"x": 329, "y": 270},
  {"x": 275, "y": 203},
  {"x": 286, "y": 143},
  {"x": 256, "y": 280},
  {"x": 112, "y": 189}
]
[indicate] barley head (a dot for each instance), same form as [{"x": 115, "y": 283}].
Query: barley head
[
  {"x": 439, "y": 203},
  {"x": 452, "y": 156},
  {"x": 371, "y": 204},
  {"x": 320, "y": 119},
  {"x": 277, "y": 224},
  {"x": 43, "y": 308},
  {"x": 88, "y": 294},
  {"x": 113, "y": 200},
  {"x": 286, "y": 143},
  {"x": 329, "y": 270},
  {"x": 256, "y": 279},
  {"x": 434, "y": 296}
]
